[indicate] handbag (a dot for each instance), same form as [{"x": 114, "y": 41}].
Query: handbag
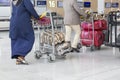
[{"x": 47, "y": 38}]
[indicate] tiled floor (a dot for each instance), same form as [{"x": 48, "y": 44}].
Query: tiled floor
[{"x": 86, "y": 65}]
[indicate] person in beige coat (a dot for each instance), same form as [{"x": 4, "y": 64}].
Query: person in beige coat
[{"x": 72, "y": 14}]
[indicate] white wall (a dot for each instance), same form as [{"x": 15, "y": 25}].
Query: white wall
[
  {"x": 40, "y": 9},
  {"x": 5, "y": 12},
  {"x": 100, "y": 6}
]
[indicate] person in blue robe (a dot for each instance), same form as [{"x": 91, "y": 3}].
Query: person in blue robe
[{"x": 21, "y": 31}]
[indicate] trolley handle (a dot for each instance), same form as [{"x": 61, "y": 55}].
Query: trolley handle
[{"x": 52, "y": 14}]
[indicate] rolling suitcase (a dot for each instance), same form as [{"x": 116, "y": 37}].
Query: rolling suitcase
[
  {"x": 86, "y": 25},
  {"x": 98, "y": 25},
  {"x": 87, "y": 38}
]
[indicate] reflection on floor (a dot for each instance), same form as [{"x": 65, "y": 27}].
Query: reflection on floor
[{"x": 101, "y": 64}]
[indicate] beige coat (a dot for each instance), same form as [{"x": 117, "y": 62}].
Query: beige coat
[{"x": 72, "y": 12}]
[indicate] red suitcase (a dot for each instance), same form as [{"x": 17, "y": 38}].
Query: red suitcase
[
  {"x": 104, "y": 24},
  {"x": 98, "y": 25},
  {"x": 86, "y": 25},
  {"x": 87, "y": 38}
]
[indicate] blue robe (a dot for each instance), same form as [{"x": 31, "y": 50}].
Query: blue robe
[{"x": 21, "y": 30}]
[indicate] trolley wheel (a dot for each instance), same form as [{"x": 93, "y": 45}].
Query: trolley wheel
[
  {"x": 51, "y": 57},
  {"x": 63, "y": 56},
  {"x": 92, "y": 48},
  {"x": 65, "y": 52},
  {"x": 98, "y": 48},
  {"x": 79, "y": 45},
  {"x": 38, "y": 54}
]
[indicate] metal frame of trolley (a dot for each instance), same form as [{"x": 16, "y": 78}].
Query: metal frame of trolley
[
  {"x": 92, "y": 47},
  {"x": 48, "y": 49}
]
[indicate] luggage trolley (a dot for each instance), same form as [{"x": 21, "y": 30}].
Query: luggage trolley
[
  {"x": 92, "y": 32},
  {"x": 111, "y": 38},
  {"x": 48, "y": 38},
  {"x": 91, "y": 45}
]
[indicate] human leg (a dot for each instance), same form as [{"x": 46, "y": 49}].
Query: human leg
[
  {"x": 68, "y": 33},
  {"x": 67, "y": 37},
  {"x": 20, "y": 59},
  {"x": 76, "y": 29},
  {"x": 20, "y": 47}
]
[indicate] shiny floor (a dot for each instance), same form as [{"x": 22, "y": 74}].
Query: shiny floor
[{"x": 101, "y": 64}]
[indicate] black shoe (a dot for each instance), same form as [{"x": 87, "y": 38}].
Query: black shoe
[
  {"x": 79, "y": 46},
  {"x": 74, "y": 49}
]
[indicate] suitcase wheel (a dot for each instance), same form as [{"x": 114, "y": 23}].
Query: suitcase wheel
[
  {"x": 98, "y": 48},
  {"x": 92, "y": 48}
]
